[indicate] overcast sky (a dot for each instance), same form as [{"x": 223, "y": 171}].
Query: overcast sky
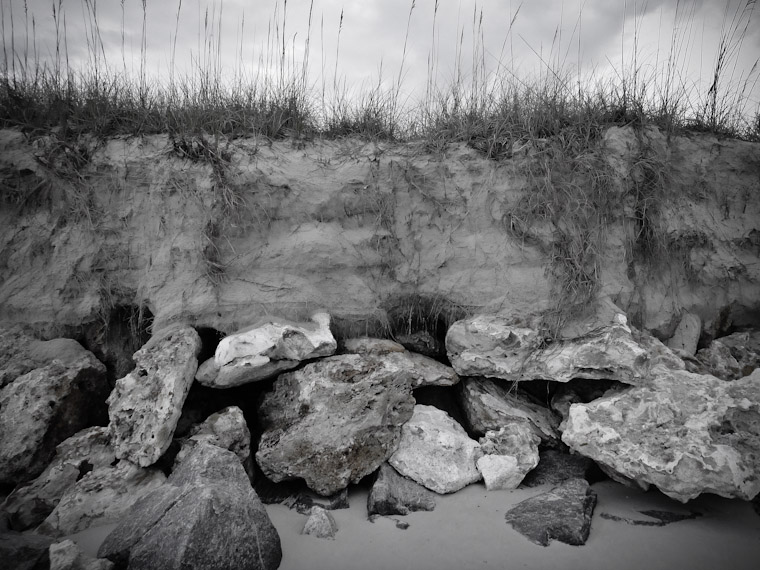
[{"x": 593, "y": 36}]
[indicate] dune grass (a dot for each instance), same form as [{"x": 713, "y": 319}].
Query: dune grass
[{"x": 489, "y": 107}]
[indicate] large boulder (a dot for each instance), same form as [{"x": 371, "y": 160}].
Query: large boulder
[
  {"x": 716, "y": 360},
  {"x": 563, "y": 514},
  {"x": 206, "y": 516},
  {"x": 66, "y": 555},
  {"x": 333, "y": 421},
  {"x": 687, "y": 334},
  {"x": 146, "y": 404},
  {"x": 509, "y": 455},
  {"x": 490, "y": 405},
  {"x": 41, "y": 408},
  {"x": 491, "y": 346},
  {"x": 29, "y": 505},
  {"x": 266, "y": 349},
  {"x": 394, "y": 494},
  {"x": 745, "y": 348},
  {"x": 100, "y": 497},
  {"x": 436, "y": 452},
  {"x": 685, "y": 433}
]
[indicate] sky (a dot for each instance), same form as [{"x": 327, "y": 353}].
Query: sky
[{"x": 359, "y": 43}]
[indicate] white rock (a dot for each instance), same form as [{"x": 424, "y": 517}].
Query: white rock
[
  {"x": 687, "y": 333},
  {"x": 66, "y": 555},
  {"x": 511, "y": 453},
  {"x": 500, "y": 471},
  {"x": 436, "y": 451}
]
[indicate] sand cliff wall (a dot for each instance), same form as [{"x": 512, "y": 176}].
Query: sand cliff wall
[{"x": 220, "y": 233}]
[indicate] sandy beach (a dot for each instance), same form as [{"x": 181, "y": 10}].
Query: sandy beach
[{"x": 467, "y": 531}]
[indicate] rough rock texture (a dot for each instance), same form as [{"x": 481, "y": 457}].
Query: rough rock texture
[
  {"x": 394, "y": 494},
  {"x": 320, "y": 523},
  {"x": 227, "y": 429},
  {"x": 510, "y": 454},
  {"x": 687, "y": 334},
  {"x": 25, "y": 551},
  {"x": 145, "y": 405},
  {"x": 685, "y": 433},
  {"x": 42, "y": 408},
  {"x": 555, "y": 467},
  {"x": 333, "y": 421},
  {"x": 101, "y": 496},
  {"x": 436, "y": 452},
  {"x": 368, "y": 345},
  {"x": 29, "y": 505},
  {"x": 580, "y": 391},
  {"x": 492, "y": 404},
  {"x": 352, "y": 227},
  {"x": 563, "y": 514},
  {"x": 264, "y": 350},
  {"x": 493, "y": 347},
  {"x": 716, "y": 360},
  {"x": 745, "y": 348},
  {"x": 66, "y": 555},
  {"x": 207, "y": 516}
]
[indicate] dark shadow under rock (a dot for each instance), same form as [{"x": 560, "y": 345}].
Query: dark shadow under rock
[
  {"x": 24, "y": 551},
  {"x": 563, "y": 514},
  {"x": 555, "y": 467},
  {"x": 394, "y": 494},
  {"x": 662, "y": 518}
]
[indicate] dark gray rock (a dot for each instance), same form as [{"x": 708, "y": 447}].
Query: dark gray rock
[
  {"x": 394, "y": 494},
  {"x": 563, "y": 514},
  {"x": 555, "y": 467},
  {"x": 207, "y": 517},
  {"x": 320, "y": 523},
  {"x": 24, "y": 551}
]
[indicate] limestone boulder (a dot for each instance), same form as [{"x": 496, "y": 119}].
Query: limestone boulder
[
  {"x": 686, "y": 336},
  {"x": 491, "y": 346},
  {"x": 333, "y": 421},
  {"x": 509, "y": 455},
  {"x": 266, "y": 349},
  {"x": 146, "y": 404},
  {"x": 369, "y": 345},
  {"x": 490, "y": 405},
  {"x": 102, "y": 496},
  {"x": 394, "y": 494},
  {"x": 685, "y": 433},
  {"x": 43, "y": 407},
  {"x": 421, "y": 370},
  {"x": 320, "y": 523},
  {"x": 745, "y": 348},
  {"x": 66, "y": 555},
  {"x": 556, "y": 466},
  {"x": 207, "y": 515},
  {"x": 436, "y": 452},
  {"x": 562, "y": 514},
  {"x": 29, "y": 505},
  {"x": 226, "y": 429},
  {"x": 25, "y": 551},
  {"x": 717, "y": 360}
]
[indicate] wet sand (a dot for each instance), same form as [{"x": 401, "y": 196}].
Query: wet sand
[{"x": 467, "y": 531}]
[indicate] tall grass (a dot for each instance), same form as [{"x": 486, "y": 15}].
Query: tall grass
[{"x": 490, "y": 106}]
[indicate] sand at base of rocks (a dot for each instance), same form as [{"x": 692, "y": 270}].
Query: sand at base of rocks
[{"x": 467, "y": 530}]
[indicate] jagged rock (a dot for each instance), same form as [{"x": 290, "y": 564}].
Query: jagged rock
[
  {"x": 422, "y": 342},
  {"x": 42, "y": 408},
  {"x": 685, "y": 433},
  {"x": 686, "y": 336},
  {"x": 436, "y": 452},
  {"x": 367, "y": 345},
  {"x": 66, "y": 555},
  {"x": 29, "y": 505},
  {"x": 207, "y": 515},
  {"x": 226, "y": 429},
  {"x": 24, "y": 551},
  {"x": 333, "y": 421},
  {"x": 563, "y": 514},
  {"x": 101, "y": 496},
  {"x": 320, "y": 523},
  {"x": 266, "y": 349},
  {"x": 510, "y": 454},
  {"x": 490, "y": 346},
  {"x": 580, "y": 391},
  {"x": 146, "y": 404},
  {"x": 394, "y": 494},
  {"x": 716, "y": 360},
  {"x": 555, "y": 467},
  {"x": 493, "y": 404},
  {"x": 745, "y": 348}
]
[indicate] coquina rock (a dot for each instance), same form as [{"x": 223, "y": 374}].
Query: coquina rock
[
  {"x": 490, "y": 405},
  {"x": 266, "y": 349},
  {"x": 436, "y": 452},
  {"x": 685, "y": 433},
  {"x": 29, "y": 505},
  {"x": 493, "y": 347},
  {"x": 509, "y": 455},
  {"x": 44, "y": 407},
  {"x": 206, "y": 516},
  {"x": 333, "y": 421},
  {"x": 393, "y": 494},
  {"x": 102, "y": 496},
  {"x": 145, "y": 405},
  {"x": 227, "y": 429}
]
